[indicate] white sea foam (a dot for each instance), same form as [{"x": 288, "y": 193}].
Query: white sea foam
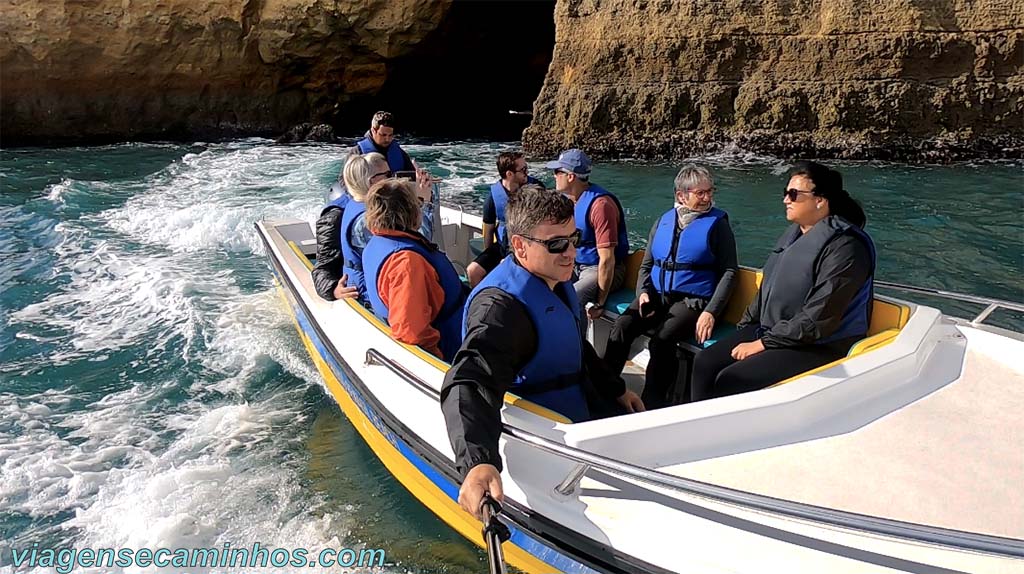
[
  {"x": 137, "y": 469},
  {"x": 204, "y": 453},
  {"x": 210, "y": 200}
]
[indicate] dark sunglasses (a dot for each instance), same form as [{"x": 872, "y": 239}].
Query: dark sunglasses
[
  {"x": 557, "y": 245},
  {"x": 384, "y": 173},
  {"x": 793, "y": 193}
]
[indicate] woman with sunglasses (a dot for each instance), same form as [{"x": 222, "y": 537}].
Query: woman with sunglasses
[
  {"x": 815, "y": 297},
  {"x": 337, "y": 273},
  {"x": 684, "y": 284}
]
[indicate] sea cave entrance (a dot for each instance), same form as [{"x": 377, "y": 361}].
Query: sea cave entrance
[{"x": 485, "y": 59}]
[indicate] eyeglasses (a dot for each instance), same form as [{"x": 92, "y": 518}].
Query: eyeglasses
[
  {"x": 702, "y": 192},
  {"x": 792, "y": 193},
  {"x": 525, "y": 169},
  {"x": 384, "y": 173},
  {"x": 557, "y": 245}
]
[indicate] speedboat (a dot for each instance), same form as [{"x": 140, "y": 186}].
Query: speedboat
[{"x": 907, "y": 455}]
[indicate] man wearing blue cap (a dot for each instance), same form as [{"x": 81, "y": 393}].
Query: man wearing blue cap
[{"x": 604, "y": 244}]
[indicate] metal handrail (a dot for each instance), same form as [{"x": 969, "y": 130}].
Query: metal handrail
[
  {"x": 991, "y": 303},
  {"x": 874, "y": 525}
]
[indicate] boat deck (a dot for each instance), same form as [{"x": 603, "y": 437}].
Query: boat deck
[{"x": 953, "y": 459}]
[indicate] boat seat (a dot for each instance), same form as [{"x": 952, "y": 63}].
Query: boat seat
[
  {"x": 887, "y": 318},
  {"x": 619, "y": 301}
]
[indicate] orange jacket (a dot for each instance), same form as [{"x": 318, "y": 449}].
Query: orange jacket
[{"x": 410, "y": 287}]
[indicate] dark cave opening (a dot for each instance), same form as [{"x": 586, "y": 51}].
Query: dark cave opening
[{"x": 485, "y": 59}]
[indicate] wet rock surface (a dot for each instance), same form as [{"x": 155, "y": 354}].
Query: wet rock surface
[
  {"x": 900, "y": 80},
  {"x": 74, "y": 71}
]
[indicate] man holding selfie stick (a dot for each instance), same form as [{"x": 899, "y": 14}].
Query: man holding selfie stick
[
  {"x": 684, "y": 283},
  {"x": 522, "y": 333}
]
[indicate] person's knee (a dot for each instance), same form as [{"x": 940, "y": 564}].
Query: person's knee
[
  {"x": 475, "y": 273},
  {"x": 705, "y": 366},
  {"x": 586, "y": 291},
  {"x": 736, "y": 379},
  {"x": 620, "y": 329}
]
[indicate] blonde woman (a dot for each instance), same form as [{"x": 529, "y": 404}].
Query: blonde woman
[{"x": 330, "y": 273}]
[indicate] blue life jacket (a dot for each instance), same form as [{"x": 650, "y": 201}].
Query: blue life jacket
[
  {"x": 396, "y": 161},
  {"x": 689, "y": 268},
  {"x": 449, "y": 320},
  {"x": 586, "y": 252},
  {"x": 789, "y": 277},
  {"x": 499, "y": 195},
  {"x": 340, "y": 202},
  {"x": 552, "y": 378},
  {"x": 353, "y": 255}
]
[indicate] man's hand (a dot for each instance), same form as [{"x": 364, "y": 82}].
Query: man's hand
[
  {"x": 424, "y": 185},
  {"x": 482, "y": 478},
  {"x": 595, "y": 312},
  {"x": 644, "y": 305},
  {"x": 343, "y": 292},
  {"x": 705, "y": 325},
  {"x": 744, "y": 350},
  {"x": 632, "y": 402}
]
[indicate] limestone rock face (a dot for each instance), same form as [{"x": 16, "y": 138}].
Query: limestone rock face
[
  {"x": 920, "y": 79},
  {"x": 124, "y": 69}
]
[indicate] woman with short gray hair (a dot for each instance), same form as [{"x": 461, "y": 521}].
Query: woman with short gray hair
[{"x": 684, "y": 284}]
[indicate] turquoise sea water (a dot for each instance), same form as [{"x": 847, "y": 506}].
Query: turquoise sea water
[{"x": 153, "y": 391}]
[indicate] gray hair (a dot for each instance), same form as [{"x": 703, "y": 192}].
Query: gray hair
[
  {"x": 532, "y": 205},
  {"x": 692, "y": 175},
  {"x": 359, "y": 170},
  {"x": 373, "y": 158}
]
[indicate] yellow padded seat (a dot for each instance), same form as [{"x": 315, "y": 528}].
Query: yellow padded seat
[{"x": 633, "y": 261}]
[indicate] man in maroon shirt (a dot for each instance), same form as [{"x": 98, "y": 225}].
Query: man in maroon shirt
[{"x": 601, "y": 257}]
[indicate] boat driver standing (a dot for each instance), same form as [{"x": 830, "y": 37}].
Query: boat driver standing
[{"x": 522, "y": 333}]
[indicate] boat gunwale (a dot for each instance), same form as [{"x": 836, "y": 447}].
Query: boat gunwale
[
  {"x": 547, "y": 532},
  {"x": 960, "y": 540}
]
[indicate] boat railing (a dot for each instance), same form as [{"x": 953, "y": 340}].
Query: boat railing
[
  {"x": 991, "y": 304},
  {"x": 588, "y": 460}
]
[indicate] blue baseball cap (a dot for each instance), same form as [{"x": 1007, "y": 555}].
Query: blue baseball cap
[{"x": 573, "y": 160}]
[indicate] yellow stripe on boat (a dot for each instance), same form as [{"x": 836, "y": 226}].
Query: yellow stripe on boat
[
  {"x": 510, "y": 399},
  {"x": 406, "y": 472}
]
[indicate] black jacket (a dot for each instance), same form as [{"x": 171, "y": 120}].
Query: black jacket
[
  {"x": 839, "y": 272},
  {"x": 329, "y": 259},
  {"x": 500, "y": 340}
]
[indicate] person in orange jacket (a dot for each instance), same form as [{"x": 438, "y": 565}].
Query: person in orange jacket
[{"x": 410, "y": 283}]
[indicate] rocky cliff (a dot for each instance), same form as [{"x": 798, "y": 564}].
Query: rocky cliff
[
  {"x": 74, "y": 70},
  {"x": 923, "y": 79},
  {"x": 931, "y": 79}
]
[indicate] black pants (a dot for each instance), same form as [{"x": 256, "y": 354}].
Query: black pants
[
  {"x": 717, "y": 374},
  {"x": 671, "y": 323}
]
